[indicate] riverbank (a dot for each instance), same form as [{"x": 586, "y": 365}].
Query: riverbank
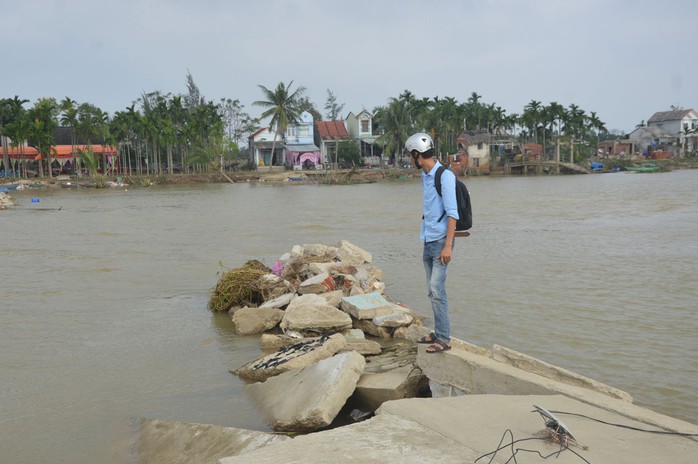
[{"x": 342, "y": 176}]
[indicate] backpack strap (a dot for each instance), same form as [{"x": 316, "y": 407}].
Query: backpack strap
[
  {"x": 437, "y": 179},
  {"x": 437, "y": 184}
]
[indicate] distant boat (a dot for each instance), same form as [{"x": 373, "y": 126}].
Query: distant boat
[{"x": 645, "y": 168}]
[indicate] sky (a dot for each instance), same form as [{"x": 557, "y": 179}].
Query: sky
[{"x": 622, "y": 59}]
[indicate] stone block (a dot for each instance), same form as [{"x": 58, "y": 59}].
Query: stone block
[
  {"x": 289, "y": 358},
  {"x": 366, "y": 306},
  {"x": 373, "y": 389},
  {"x": 315, "y": 318},
  {"x": 320, "y": 283},
  {"x": 172, "y": 442},
  {"x": 280, "y": 301},
  {"x": 308, "y": 398},
  {"x": 347, "y": 252},
  {"x": 250, "y": 321}
]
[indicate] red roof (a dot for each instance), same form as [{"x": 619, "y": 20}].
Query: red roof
[
  {"x": 331, "y": 130},
  {"x": 58, "y": 151}
]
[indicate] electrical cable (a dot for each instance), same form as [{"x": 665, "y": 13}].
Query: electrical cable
[
  {"x": 630, "y": 427},
  {"x": 514, "y": 451}
]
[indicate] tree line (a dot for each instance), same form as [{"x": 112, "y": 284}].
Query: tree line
[{"x": 161, "y": 133}]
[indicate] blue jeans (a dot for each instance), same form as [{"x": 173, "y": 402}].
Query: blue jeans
[{"x": 436, "y": 284}]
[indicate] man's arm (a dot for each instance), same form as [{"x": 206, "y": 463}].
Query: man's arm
[{"x": 447, "y": 250}]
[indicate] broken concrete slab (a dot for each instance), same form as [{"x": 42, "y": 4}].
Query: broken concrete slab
[
  {"x": 171, "y": 442},
  {"x": 363, "y": 346},
  {"x": 399, "y": 319},
  {"x": 347, "y": 252},
  {"x": 289, "y": 358},
  {"x": 468, "y": 430},
  {"x": 366, "y": 306},
  {"x": 279, "y": 302},
  {"x": 320, "y": 283},
  {"x": 480, "y": 422},
  {"x": 374, "y": 389},
  {"x": 321, "y": 318},
  {"x": 379, "y": 440},
  {"x": 536, "y": 366},
  {"x": 372, "y": 329},
  {"x": 250, "y": 321},
  {"x": 310, "y": 397}
]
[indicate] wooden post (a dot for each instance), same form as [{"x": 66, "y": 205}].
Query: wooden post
[{"x": 557, "y": 156}]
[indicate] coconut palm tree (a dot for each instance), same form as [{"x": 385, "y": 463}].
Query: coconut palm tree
[
  {"x": 69, "y": 118},
  {"x": 395, "y": 122},
  {"x": 44, "y": 113},
  {"x": 282, "y": 108},
  {"x": 10, "y": 111}
]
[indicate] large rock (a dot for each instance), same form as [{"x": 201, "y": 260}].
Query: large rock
[
  {"x": 279, "y": 302},
  {"x": 256, "y": 320},
  {"x": 289, "y": 358},
  {"x": 347, "y": 252},
  {"x": 374, "y": 389},
  {"x": 320, "y": 283},
  {"x": 370, "y": 328},
  {"x": 308, "y": 398},
  {"x": 399, "y": 319},
  {"x": 171, "y": 442},
  {"x": 316, "y": 316},
  {"x": 367, "y": 306}
]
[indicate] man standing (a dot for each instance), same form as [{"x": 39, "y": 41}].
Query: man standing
[{"x": 437, "y": 235}]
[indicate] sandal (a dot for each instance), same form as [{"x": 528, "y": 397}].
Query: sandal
[
  {"x": 431, "y": 338},
  {"x": 438, "y": 346}
]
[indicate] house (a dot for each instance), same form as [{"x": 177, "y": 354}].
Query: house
[
  {"x": 328, "y": 134},
  {"x": 295, "y": 149},
  {"x": 650, "y": 139},
  {"x": 475, "y": 144},
  {"x": 262, "y": 143},
  {"x": 616, "y": 148},
  {"x": 300, "y": 149},
  {"x": 679, "y": 124},
  {"x": 360, "y": 127},
  {"x": 63, "y": 154}
]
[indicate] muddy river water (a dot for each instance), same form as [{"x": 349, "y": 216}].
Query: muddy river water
[{"x": 103, "y": 293}]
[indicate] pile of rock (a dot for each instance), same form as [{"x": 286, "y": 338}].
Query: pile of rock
[{"x": 324, "y": 301}]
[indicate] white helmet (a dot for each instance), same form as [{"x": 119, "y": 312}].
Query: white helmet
[{"x": 420, "y": 141}]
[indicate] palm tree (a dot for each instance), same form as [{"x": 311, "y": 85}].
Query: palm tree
[
  {"x": 44, "y": 113},
  {"x": 282, "y": 107},
  {"x": 69, "y": 118},
  {"x": 395, "y": 123},
  {"x": 10, "y": 111}
]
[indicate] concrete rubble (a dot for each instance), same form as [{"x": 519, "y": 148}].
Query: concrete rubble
[
  {"x": 308, "y": 398},
  {"x": 341, "y": 345}
]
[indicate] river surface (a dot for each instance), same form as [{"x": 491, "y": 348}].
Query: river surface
[{"x": 103, "y": 306}]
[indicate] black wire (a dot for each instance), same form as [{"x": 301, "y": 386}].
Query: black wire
[
  {"x": 662, "y": 432},
  {"x": 514, "y": 451}
]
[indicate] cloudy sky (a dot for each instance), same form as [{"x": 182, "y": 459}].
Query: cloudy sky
[{"x": 623, "y": 59}]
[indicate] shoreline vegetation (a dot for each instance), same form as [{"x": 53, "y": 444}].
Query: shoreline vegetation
[{"x": 330, "y": 177}]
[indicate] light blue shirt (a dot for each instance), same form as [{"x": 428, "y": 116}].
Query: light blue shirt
[{"x": 433, "y": 205}]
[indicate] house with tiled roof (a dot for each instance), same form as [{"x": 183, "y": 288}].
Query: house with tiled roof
[
  {"x": 680, "y": 124},
  {"x": 328, "y": 135},
  {"x": 360, "y": 128},
  {"x": 476, "y": 146},
  {"x": 295, "y": 149}
]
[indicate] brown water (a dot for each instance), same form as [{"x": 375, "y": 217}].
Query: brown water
[{"x": 103, "y": 304}]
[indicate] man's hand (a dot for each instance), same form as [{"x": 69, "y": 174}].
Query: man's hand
[{"x": 446, "y": 253}]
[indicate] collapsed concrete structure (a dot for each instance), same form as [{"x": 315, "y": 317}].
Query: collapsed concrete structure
[{"x": 418, "y": 407}]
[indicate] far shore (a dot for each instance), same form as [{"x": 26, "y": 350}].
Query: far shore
[{"x": 278, "y": 174}]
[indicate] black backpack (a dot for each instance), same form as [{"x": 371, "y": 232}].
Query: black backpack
[{"x": 465, "y": 211}]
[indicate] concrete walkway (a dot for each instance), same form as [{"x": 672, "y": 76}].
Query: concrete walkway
[{"x": 468, "y": 428}]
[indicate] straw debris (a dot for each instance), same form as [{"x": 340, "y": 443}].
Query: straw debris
[{"x": 245, "y": 286}]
